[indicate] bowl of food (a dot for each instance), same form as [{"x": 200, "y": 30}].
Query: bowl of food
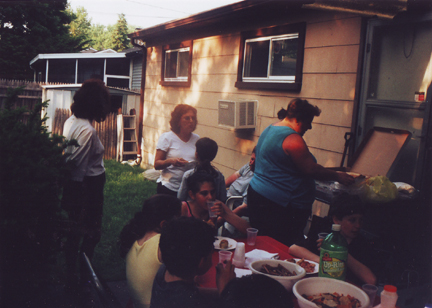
[
  {"x": 329, "y": 292},
  {"x": 286, "y": 273}
]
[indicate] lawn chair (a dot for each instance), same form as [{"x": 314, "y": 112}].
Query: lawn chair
[
  {"x": 227, "y": 226},
  {"x": 105, "y": 295}
]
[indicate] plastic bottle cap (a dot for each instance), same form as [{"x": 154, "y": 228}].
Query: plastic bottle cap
[
  {"x": 390, "y": 288},
  {"x": 336, "y": 227}
]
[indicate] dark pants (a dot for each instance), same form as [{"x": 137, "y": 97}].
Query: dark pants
[
  {"x": 160, "y": 189},
  {"x": 83, "y": 201},
  {"x": 285, "y": 224}
]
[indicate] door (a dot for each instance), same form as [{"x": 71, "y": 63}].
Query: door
[{"x": 396, "y": 91}]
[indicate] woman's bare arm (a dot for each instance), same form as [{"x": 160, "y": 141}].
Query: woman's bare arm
[
  {"x": 223, "y": 211},
  {"x": 161, "y": 162},
  {"x": 229, "y": 180},
  {"x": 296, "y": 148}
]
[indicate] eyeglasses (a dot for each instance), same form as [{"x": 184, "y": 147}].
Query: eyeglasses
[{"x": 188, "y": 118}]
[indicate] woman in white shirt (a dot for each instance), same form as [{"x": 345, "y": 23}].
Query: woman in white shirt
[
  {"x": 83, "y": 192},
  {"x": 175, "y": 150}
]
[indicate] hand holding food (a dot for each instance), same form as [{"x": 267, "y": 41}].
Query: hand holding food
[{"x": 178, "y": 162}]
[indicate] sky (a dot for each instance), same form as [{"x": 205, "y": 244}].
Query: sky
[{"x": 144, "y": 13}]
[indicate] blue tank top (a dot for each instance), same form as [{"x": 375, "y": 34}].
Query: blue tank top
[{"x": 276, "y": 177}]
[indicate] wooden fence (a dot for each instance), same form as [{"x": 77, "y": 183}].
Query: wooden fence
[
  {"x": 106, "y": 130},
  {"x": 31, "y": 94}
]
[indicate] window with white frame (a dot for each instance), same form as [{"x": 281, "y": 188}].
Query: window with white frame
[
  {"x": 272, "y": 58},
  {"x": 176, "y": 64}
]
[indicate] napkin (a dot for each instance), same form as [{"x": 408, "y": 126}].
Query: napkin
[
  {"x": 241, "y": 272},
  {"x": 258, "y": 254}
]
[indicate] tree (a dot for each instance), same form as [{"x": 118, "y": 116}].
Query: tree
[
  {"x": 32, "y": 170},
  {"x": 120, "y": 40},
  {"x": 28, "y": 28},
  {"x": 80, "y": 26},
  {"x": 100, "y": 36}
]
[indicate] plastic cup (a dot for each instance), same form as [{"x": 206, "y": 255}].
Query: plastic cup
[
  {"x": 209, "y": 206},
  {"x": 322, "y": 235},
  {"x": 224, "y": 256},
  {"x": 251, "y": 236},
  {"x": 371, "y": 291},
  {"x": 239, "y": 255}
]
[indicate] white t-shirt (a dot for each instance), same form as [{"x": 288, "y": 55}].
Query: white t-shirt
[
  {"x": 88, "y": 157},
  {"x": 170, "y": 143}
]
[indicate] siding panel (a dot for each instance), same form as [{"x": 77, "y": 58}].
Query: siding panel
[{"x": 329, "y": 79}]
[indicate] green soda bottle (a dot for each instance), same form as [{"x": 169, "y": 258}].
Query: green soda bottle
[{"x": 333, "y": 255}]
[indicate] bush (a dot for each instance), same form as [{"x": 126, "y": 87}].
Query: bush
[{"x": 32, "y": 170}]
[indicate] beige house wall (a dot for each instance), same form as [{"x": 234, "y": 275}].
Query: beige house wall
[{"x": 329, "y": 79}]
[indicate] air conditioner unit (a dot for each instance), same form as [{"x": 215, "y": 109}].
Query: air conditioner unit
[{"x": 237, "y": 114}]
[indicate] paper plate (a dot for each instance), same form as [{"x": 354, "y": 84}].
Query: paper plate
[{"x": 231, "y": 243}]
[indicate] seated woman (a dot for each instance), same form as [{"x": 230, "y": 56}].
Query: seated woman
[
  {"x": 206, "y": 150},
  {"x": 348, "y": 211},
  {"x": 201, "y": 188},
  {"x": 139, "y": 242}
]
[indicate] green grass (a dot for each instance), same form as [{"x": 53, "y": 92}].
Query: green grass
[{"x": 125, "y": 191}]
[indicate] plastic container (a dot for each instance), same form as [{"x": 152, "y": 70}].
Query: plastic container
[
  {"x": 333, "y": 255},
  {"x": 239, "y": 255},
  {"x": 389, "y": 297}
]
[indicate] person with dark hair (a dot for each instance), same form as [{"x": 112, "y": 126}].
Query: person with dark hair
[
  {"x": 201, "y": 189},
  {"x": 206, "y": 150},
  {"x": 139, "y": 243},
  {"x": 186, "y": 247},
  {"x": 282, "y": 190},
  {"x": 255, "y": 291},
  {"x": 347, "y": 211},
  {"x": 175, "y": 150},
  {"x": 83, "y": 193}
]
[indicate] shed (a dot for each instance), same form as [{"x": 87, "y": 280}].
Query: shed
[
  {"x": 116, "y": 69},
  {"x": 61, "y": 97}
]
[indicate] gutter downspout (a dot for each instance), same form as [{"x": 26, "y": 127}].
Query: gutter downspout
[{"x": 141, "y": 106}]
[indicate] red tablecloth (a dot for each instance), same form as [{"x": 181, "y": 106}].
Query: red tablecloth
[{"x": 263, "y": 242}]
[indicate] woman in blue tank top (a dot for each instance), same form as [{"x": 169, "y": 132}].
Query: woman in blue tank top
[{"x": 282, "y": 191}]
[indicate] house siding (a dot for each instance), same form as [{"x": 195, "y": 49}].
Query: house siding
[{"x": 329, "y": 80}]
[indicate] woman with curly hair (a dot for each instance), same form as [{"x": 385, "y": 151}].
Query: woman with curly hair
[
  {"x": 176, "y": 149},
  {"x": 83, "y": 193}
]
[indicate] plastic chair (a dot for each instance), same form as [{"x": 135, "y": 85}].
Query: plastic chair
[
  {"x": 230, "y": 204},
  {"x": 105, "y": 295}
]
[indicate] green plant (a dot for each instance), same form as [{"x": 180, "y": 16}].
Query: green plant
[
  {"x": 125, "y": 192},
  {"x": 32, "y": 169}
]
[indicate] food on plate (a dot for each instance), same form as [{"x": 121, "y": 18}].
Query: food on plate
[
  {"x": 223, "y": 244},
  {"x": 276, "y": 270},
  {"x": 309, "y": 267},
  {"x": 333, "y": 300}
]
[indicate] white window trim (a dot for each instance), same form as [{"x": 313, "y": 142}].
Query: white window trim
[
  {"x": 281, "y": 79},
  {"x": 178, "y": 78}
]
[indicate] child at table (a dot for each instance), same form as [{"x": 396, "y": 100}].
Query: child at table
[
  {"x": 186, "y": 247},
  {"x": 206, "y": 150},
  {"x": 348, "y": 211},
  {"x": 139, "y": 244},
  {"x": 202, "y": 189}
]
